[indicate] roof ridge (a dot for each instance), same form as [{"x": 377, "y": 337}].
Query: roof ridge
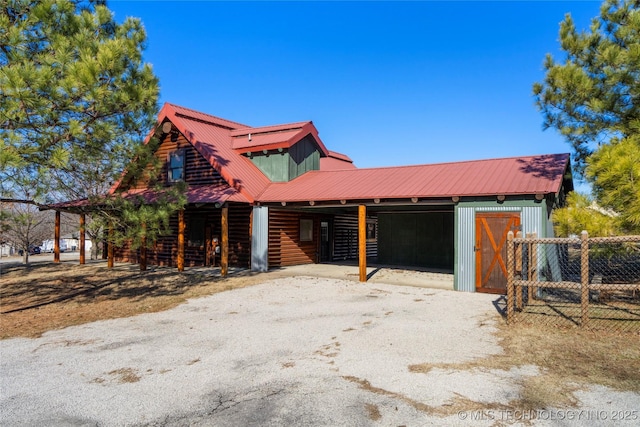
[
  {"x": 271, "y": 128},
  {"x": 460, "y": 162},
  {"x": 217, "y": 118}
]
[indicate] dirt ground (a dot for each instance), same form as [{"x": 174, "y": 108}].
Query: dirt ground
[{"x": 47, "y": 296}]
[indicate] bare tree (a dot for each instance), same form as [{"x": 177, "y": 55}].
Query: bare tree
[{"x": 26, "y": 226}]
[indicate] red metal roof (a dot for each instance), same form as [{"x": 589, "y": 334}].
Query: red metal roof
[
  {"x": 509, "y": 176},
  {"x": 260, "y": 141},
  {"x": 197, "y": 115},
  {"x": 246, "y": 130},
  {"x": 222, "y": 143},
  {"x": 273, "y": 137},
  {"x": 336, "y": 161},
  {"x": 214, "y": 138},
  {"x": 210, "y": 135},
  {"x": 201, "y": 194},
  {"x": 340, "y": 156},
  {"x": 219, "y": 193}
]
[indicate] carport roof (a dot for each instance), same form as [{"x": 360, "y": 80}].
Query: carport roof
[{"x": 531, "y": 175}]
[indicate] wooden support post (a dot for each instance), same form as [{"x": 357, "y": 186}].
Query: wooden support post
[
  {"x": 224, "y": 228},
  {"x": 82, "y": 238},
  {"x": 110, "y": 248},
  {"x": 180, "y": 260},
  {"x": 362, "y": 242},
  {"x": 510, "y": 275},
  {"x": 56, "y": 239},
  {"x": 143, "y": 249},
  {"x": 584, "y": 282}
]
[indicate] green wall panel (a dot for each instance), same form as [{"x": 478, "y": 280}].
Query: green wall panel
[
  {"x": 274, "y": 166},
  {"x": 304, "y": 157},
  {"x": 282, "y": 167}
]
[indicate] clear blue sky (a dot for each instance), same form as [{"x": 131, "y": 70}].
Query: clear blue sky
[{"x": 385, "y": 83}]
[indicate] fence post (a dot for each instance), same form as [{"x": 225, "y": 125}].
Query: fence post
[
  {"x": 510, "y": 274},
  {"x": 533, "y": 267},
  {"x": 584, "y": 277},
  {"x": 518, "y": 288}
]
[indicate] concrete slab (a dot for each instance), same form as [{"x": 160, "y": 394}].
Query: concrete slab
[{"x": 375, "y": 274}]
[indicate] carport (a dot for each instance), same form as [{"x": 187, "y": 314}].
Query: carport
[{"x": 447, "y": 217}]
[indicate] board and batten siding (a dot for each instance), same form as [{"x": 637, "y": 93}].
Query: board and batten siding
[
  {"x": 533, "y": 219},
  {"x": 289, "y": 164}
]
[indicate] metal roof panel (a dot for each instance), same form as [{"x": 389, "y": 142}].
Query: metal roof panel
[{"x": 508, "y": 176}]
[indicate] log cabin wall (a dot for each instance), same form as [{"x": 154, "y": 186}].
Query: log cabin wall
[
  {"x": 164, "y": 251},
  {"x": 239, "y": 235},
  {"x": 345, "y": 238},
  {"x": 198, "y": 171},
  {"x": 285, "y": 247}
]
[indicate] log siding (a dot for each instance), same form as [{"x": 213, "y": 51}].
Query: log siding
[
  {"x": 198, "y": 171},
  {"x": 164, "y": 251},
  {"x": 285, "y": 247}
]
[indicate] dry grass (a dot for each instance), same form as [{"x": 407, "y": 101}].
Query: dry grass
[
  {"x": 568, "y": 359},
  {"x": 605, "y": 315},
  {"x": 373, "y": 411},
  {"x": 38, "y": 298},
  {"x": 458, "y": 403}
]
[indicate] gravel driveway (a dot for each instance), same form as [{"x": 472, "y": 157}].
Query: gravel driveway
[{"x": 291, "y": 351}]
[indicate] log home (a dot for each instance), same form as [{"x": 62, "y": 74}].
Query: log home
[{"x": 264, "y": 197}]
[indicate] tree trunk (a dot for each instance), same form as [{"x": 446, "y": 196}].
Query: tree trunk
[{"x": 94, "y": 247}]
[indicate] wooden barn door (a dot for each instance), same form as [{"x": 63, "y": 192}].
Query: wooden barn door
[{"x": 491, "y": 249}]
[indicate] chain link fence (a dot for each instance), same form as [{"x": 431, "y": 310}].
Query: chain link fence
[{"x": 588, "y": 282}]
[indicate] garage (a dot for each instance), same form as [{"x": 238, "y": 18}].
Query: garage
[{"x": 417, "y": 239}]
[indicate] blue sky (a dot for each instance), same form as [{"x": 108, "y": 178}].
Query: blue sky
[{"x": 386, "y": 83}]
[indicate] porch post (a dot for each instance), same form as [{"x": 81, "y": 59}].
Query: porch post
[
  {"x": 362, "y": 241},
  {"x": 180, "y": 261},
  {"x": 110, "y": 248},
  {"x": 224, "y": 258},
  {"x": 56, "y": 239},
  {"x": 82, "y": 238},
  {"x": 143, "y": 249}
]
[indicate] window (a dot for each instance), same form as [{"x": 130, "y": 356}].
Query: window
[
  {"x": 176, "y": 166},
  {"x": 195, "y": 236},
  {"x": 372, "y": 230},
  {"x": 306, "y": 230}
]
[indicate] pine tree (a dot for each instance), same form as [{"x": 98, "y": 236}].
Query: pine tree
[
  {"x": 77, "y": 102},
  {"x": 593, "y": 97},
  {"x": 614, "y": 171}
]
